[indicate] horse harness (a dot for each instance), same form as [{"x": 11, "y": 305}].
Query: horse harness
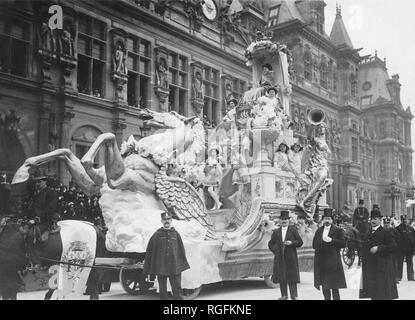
[{"x": 23, "y": 222}]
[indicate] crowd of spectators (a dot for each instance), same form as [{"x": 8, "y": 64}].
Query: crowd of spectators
[{"x": 72, "y": 203}]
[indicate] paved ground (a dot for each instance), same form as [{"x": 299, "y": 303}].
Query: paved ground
[{"x": 248, "y": 289}]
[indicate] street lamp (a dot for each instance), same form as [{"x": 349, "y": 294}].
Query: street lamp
[{"x": 393, "y": 192}]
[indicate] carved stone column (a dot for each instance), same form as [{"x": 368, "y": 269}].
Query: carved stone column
[
  {"x": 118, "y": 126},
  {"x": 64, "y": 141},
  {"x": 197, "y": 99},
  {"x": 161, "y": 86},
  {"x": 227, "y": 89},
  {"x": 45, "y": 108}
]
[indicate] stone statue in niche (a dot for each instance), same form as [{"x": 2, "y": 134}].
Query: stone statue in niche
[
  {"x": 197, "y": 86},
  {"x": 382, "y": 129},
  {"x": 119, "y": 58},
  {"x": 47, "y": 40},
  {"x": 162, "y": 74},
  {"x": 66, "y": 40},
  {"x": 228, "y": 92},
  {"x": 336, "y": 133},
  {"x": 296, "y": 121},
  {"x": 302, "y": 124}
]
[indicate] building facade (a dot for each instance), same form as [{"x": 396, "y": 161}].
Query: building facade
[
  {"x": 62, "y": 88},
  {"x": 369, "y": 129}
]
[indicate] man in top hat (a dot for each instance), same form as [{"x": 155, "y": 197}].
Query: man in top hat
[
  {"x": 361, "y": 217},
  {"x": 378, "y": 280},
  {"x": 166, "y": 258},
  {"x": 328, "y": 268},
  {"x": 284, "y": 243},
  {"x": 406, "y": 248}
]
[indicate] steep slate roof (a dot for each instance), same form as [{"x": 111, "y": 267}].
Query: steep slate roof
[
  {"x": 339, "y": 35},
  {"x": 376, "y": 73},
  {"x": 288, "y": 11}
]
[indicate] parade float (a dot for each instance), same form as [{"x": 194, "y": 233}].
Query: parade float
[{"x": 245, "y": 171}]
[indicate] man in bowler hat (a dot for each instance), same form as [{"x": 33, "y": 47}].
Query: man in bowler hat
[
  {"x": 166, "y": 258},
  {"x": 328, "y": 268},
  {"x": 284, "y": 243},
  {"x": 406, "y": 248},
  {"x": 378, "y": 276}
]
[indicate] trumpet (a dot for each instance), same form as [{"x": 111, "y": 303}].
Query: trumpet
[{"x": 316, "y": 117}]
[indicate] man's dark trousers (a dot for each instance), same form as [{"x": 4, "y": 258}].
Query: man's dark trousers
[
  {"x": 175, "y": 283},
  {"x": 293, "y": 290},
  {"x": 327, "y": 294},
  {"x": 409, "y": 266}
]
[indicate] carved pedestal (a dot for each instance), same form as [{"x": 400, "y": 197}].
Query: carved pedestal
[
  {"x": 47, "y": 58},
  {"x": 263, "y": 182},
  {"x": 263, "y": 139},
  {"x": 163, "y": 94},
  {"x": 120, "y": 80},
  {"x": 69, "y": 64},
  {"x": 198, "y": 105}
]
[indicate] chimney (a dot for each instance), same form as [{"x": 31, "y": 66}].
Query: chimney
[{"x": 394, "y": 88}]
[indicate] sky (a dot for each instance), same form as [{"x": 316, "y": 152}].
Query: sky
[{"x": 387, "y": 26}]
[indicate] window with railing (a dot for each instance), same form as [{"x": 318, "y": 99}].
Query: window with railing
[
  {"x": 353, "y": 86},
  {"x": 15, "y": 41},
  {"x": 91, "y": 56},
  {"x": 354, "y": 150},
  {"x": 211, "y": 107},
  {"x": 323, "y": 75},
  {"x": 307, "y": 65},
  {"x": 364, "y": 168},
  {"x": 139, "y": 71},
  {"x": 177, "y": 77},
  {"x": 370, "y": 170}
]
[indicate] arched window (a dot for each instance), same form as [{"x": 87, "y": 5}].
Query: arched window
[
  {"x": 323, "y": 75},
  {"x": 307, "y": 65}
]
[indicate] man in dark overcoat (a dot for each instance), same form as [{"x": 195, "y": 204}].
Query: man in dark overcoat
[
  {"x": 166, "y": 258},
  {"x": 284, "y": 243},
  {"x": 43, "y": 210},
  {"x": 44, "y": 204},
  {"x": 387, "y": 225},
  {"x": 328, "y": 268},
  {"x": 378, "y": 279},
  {"x": 406, "y": 248},
  {"x": 361, "y": 217}
]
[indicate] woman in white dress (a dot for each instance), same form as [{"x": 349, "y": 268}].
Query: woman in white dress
[
  {"x": 213, "y": 174},
  {"x": 294, "y": 158},
  {"x": 281, "y": 157}
]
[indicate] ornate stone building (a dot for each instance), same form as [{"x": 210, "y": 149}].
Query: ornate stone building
[{"x": 61, "y": 88}]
